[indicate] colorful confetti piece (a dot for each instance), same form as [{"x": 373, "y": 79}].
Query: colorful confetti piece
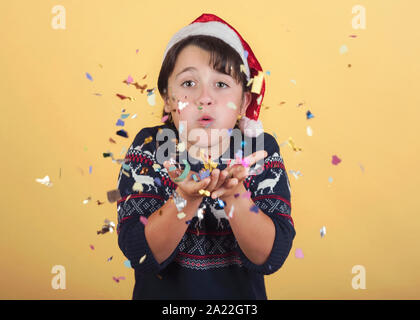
[
  {"x": 298, "y": 253},
  {"x": 335, "y": 160},
  {"x": 89, "y": 76}
]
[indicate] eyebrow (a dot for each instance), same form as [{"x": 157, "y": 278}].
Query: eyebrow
[{"x": 185, "y": 70}]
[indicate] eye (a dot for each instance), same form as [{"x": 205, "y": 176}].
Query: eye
[
  {"x": 188, "y": 82},
  {"x": 224, "y": 85}
]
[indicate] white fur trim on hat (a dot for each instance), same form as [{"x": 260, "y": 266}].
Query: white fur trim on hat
[{"x": 213, "y": 28}]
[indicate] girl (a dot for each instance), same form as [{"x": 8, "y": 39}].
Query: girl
[{"x": 212, "y": 225}]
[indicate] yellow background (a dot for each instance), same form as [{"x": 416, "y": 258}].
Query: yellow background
[{"x": 366, "y": 114}]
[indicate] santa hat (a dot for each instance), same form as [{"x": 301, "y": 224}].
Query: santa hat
[{"x": 212, "y": 25}]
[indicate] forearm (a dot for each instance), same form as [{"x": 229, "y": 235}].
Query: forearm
[
  {"x": 255, "y": 232},
  {"x": 164, "y": 230}
]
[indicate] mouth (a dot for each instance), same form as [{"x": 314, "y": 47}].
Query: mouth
[{"x": 205, "y": 120}]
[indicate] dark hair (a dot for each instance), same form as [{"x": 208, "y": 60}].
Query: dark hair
[{"x": 223, "y": 58}]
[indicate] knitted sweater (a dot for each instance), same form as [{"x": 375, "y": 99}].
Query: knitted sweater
[{"x": 208, "y": 262}]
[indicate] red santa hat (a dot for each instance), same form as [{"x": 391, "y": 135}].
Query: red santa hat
[{"x": 212, "y": 25}]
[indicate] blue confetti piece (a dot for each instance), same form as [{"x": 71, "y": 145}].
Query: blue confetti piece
[
  {"x": 127, "y": 263},
  {"x": 157, "y": 181},
  {"x": 309, "y": 115},
  {"x": 89, "y": 76},
  {"x": 195, "y": 178},
  {"x": 125, "y": 116},
  {"x": 120, "y": 123},
  {"x": 221, "y": 203},
  {"x": 90, "y": 169},
  {"x": 204, "y": 174},
  {"x": 254, "y": 209},
  {"x": 268, "y": 73},
  {"x": 122, "y": 133}
]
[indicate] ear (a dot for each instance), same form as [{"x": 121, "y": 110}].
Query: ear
[
  {"x": 167, "y": 107},
  {"x": 245, "y": 103}
]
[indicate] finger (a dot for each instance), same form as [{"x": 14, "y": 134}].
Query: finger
[
  {"x": 256, "y": 156},
  {"x": 197, "y": 186},
  {"x": 228, "y": 185},
  {"x": 222, "y": 178},
  {"x": 214, "y": 178}
]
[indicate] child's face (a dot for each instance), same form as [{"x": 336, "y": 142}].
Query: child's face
[{"x": 201, "y": 92}]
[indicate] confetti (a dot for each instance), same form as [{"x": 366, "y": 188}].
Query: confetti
[
  {"x": 137, "y": 50},
  {"x": 122, "y": 133},
  {"x": 323, "y": 231},
  {"x": 296, "y": 174},
  {"x": 292, "y": 145},
  {"x": 87, "y": 200},
  {"x": 118, "y": 279},
  {"x": 246, "y": 194},
  {"x": 113, "y": 195},
  {"x": 231, "y": 105},
  {"x": 293, "y": 81},
  {"x": 204, "y": 192},
  {"x": 164, "y": 118},
  {"x": 107, "y": 227},
  {"x": 231, "y": 211},
  {"x": 254, "y": 208},
  {"x": 92, "y": 247},
  {"x": 109, "y": 259},
  {"x": 330, "y": 179},
  {"x": 200, "y": 212},
  {"x": 180, "y": 147},
  {"x": 221, "y": 203},
  {"x": 343, "y": 49},
  {"x": 157, "y": 181},
  {"x": 184, "y": 174},
  {"x": 125, "y": 116},
  {"x": 99, "y": 203},
  {"x": 362, "y": 168},
  {"x": 309, "y": 115},
  {"x": 143, "y": 220},
  {"x": 129, "y": 79},
  {"x": 181, "y": 215},
  {"x": 298, "y": 253},
  {"x": 182, "y": 105},
  {"x": 195, "y": 178},
  {"x": 45, "y": 181},
  {"x": 148, "y": 140},
  {"x": 134, "y": 116},
  {"x": 151, "y": 99},
  {"x": 123, "y": 97},
  {"x": 120, "y": 123},
  {"x": 142, "y": 259},
  {"x": 335, "y": 160},
  {"x": 204, "y": 174},
  {"x": 127, "y": 263},
  {"x": 112, "y": 140},
  {"x": 89, "y": 76},
  {"x": 257, "y": 83},
  {"x": 268, "y": 73},
  {"x": 309, "y": 131}
]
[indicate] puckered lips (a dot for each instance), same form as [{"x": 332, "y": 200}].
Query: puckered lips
[{"x": 205, "y": 120}]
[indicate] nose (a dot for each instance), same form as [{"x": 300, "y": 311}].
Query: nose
[{"x": 205, "y": 99}]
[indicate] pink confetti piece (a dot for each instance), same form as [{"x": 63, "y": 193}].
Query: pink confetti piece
[
  {"x": 137, "y": 50},
  {"x": 246, "y": 194},
  {"x": 117, "y": 279},
  {"x": 298, "y": 253},
  {"x": 92, "y": 247},
  {"x": 129, "y": 79},
  {"x": 164, "y": 118},
  {"x": 143, "y": 220},
  {"x": 335, "y": 160}
]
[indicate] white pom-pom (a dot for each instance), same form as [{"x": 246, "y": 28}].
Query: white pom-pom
[{"x": 251, "y": 128}]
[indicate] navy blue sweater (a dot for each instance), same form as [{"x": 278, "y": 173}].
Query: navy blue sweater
[{"x": 208, "y": 262}]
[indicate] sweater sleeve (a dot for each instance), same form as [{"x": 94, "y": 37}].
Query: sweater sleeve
[
  {"x": 270, "y": 191},
  {"x": 140, "y": 170}
]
